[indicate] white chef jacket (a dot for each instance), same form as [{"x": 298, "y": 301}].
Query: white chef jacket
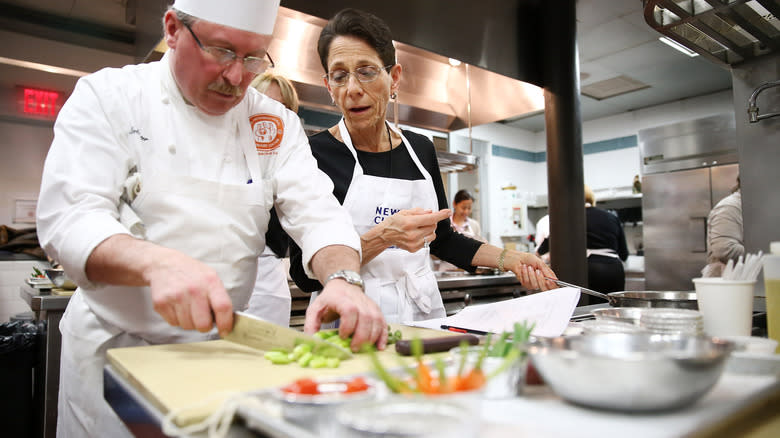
[{"x": 104, "y": 130}]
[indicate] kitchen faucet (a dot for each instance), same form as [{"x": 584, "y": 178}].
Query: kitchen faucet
[{"x": 753, "y": 108}]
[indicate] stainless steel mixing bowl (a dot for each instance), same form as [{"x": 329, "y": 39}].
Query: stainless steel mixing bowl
[{"x": 630, "y": 371}]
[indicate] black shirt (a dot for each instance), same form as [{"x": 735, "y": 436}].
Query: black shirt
[
  {"x": 604, "y": 231},
  {"x": 334, "y": 158}
]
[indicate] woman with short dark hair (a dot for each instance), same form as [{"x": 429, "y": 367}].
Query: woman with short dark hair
[{"x": 390, "y": 182}]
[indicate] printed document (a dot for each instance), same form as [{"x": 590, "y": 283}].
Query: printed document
[{"x": 550, "y": 311}]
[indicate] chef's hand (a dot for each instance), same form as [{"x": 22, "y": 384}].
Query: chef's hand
[
  {"x": 530, "y": 270},
  {"x": 185, "y": 292},
  {"x": 359, "y": 314},
  {"x": 411, "y": 229},
  {"x": 190, "y": 294}
]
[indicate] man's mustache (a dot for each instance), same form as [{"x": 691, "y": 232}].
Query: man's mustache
[{"x": 224, "y": 88}]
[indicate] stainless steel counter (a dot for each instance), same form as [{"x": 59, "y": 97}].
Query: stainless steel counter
[
  {"x": 458, "y": 290},
  {"x": 457, "y": 280},
  {"x": 47, "y": 308}
]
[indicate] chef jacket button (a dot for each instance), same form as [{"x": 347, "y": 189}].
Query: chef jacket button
[
  {"x": 228, "y": 159},
  {"x": 172, "y": 148},
  {"x": 165, "y": 100}
]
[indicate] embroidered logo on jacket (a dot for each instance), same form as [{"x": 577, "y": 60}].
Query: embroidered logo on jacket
[{"x": 268, "y": 131}]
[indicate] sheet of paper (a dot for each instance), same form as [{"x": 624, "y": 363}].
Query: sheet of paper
[{"x": 550, "y": 311}]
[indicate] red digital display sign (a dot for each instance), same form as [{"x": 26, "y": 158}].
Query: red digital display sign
[{"x": 37, "y": 102}]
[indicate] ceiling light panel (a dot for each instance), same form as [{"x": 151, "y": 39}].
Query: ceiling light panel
[{"x": 612, "y": 87}]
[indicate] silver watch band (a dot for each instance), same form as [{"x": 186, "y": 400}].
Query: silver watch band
[{"x": 350, "y": 277}]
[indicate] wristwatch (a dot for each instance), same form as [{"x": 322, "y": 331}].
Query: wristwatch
[{"x": 350, "y": 277}]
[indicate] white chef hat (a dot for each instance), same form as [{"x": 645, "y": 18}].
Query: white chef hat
[{"x": 256, "y": 16}]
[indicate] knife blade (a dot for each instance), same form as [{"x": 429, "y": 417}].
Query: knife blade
[{"x": 263, "y": 335}]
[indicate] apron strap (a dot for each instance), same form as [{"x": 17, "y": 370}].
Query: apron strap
[{"x": 606, "y": 252}]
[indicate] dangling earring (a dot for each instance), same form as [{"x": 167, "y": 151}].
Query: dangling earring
[{"x": 393, "y": 95}]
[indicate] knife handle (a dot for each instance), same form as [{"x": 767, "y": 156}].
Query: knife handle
[{"x": 435, "y": 345}]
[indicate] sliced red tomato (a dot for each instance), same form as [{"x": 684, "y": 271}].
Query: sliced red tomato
[
  {"x": 302, "y": 386},
  {"x": 357, "y": 384}
]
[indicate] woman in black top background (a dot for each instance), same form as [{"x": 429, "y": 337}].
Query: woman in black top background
[{"x": 390, "y": 181}]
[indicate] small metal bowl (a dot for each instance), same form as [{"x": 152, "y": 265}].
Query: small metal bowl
[
  {"x": 312, "y": 411},
  {"x": 60, "y": 279},
  {"x": 607, "y": 326},
  {"x": 631, "y": 315},
  {"x": 633, "y": 372}
]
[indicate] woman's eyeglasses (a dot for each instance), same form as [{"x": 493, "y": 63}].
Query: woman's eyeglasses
[
  {"x": 365, "y": 74},
  {"x": 225, "y": 57}
]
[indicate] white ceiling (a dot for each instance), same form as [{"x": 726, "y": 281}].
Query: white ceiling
[{"x": 613, "y": 40}]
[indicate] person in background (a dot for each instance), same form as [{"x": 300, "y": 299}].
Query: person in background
[
  {"x": 159, "y": 226},
  {"x": 271, "y": 298},
  {"x": 278, "y": 88},
  {"x": 461, "y": 216},
  {"x": 724, "y": 233},
  {"x": 542, "y": 233},
  {"x": 389, "y": 180},
  {"x": 606, "y": 247},
  {"x": 462, "y": 223}
]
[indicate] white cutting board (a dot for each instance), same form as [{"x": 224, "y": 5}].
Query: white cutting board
[{"x": 198, "y": 377}]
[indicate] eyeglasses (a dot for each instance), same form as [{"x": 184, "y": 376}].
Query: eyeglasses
[
  {"x": 226, "y": 57},
  {"x": 365, "y": 74}
]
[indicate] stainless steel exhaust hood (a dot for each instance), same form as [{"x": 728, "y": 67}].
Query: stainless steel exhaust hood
[{"x": 434, "y": 94}]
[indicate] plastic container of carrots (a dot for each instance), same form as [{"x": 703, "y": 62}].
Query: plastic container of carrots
[{"x": 505, "y": 375}]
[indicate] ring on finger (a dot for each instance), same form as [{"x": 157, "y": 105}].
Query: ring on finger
[{"x": 425, "y": 242}]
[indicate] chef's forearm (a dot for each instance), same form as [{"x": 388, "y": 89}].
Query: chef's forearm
[
  {"x": 333, "y": 258},
  {"x": 122, "y": 260}
]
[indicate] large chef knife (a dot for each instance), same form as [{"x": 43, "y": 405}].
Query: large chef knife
[{"x": 263, "y": 335}]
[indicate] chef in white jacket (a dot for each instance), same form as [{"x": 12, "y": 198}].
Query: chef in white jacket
[{"x": 155, "y": 198}]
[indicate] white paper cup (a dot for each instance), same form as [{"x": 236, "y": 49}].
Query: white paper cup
[{"x": 726, "y": 306}]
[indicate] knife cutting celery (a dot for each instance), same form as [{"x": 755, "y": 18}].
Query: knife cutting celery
[{"x": 422, "y": 379}]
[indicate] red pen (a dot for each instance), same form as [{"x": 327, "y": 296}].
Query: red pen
[{"x": 462, "y": 330}]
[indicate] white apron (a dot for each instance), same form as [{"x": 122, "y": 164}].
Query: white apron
[
  {"x": 400, "y": 282},
  {"x": 222, "y": 225},
  {"x": 271, "y": 299}
]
